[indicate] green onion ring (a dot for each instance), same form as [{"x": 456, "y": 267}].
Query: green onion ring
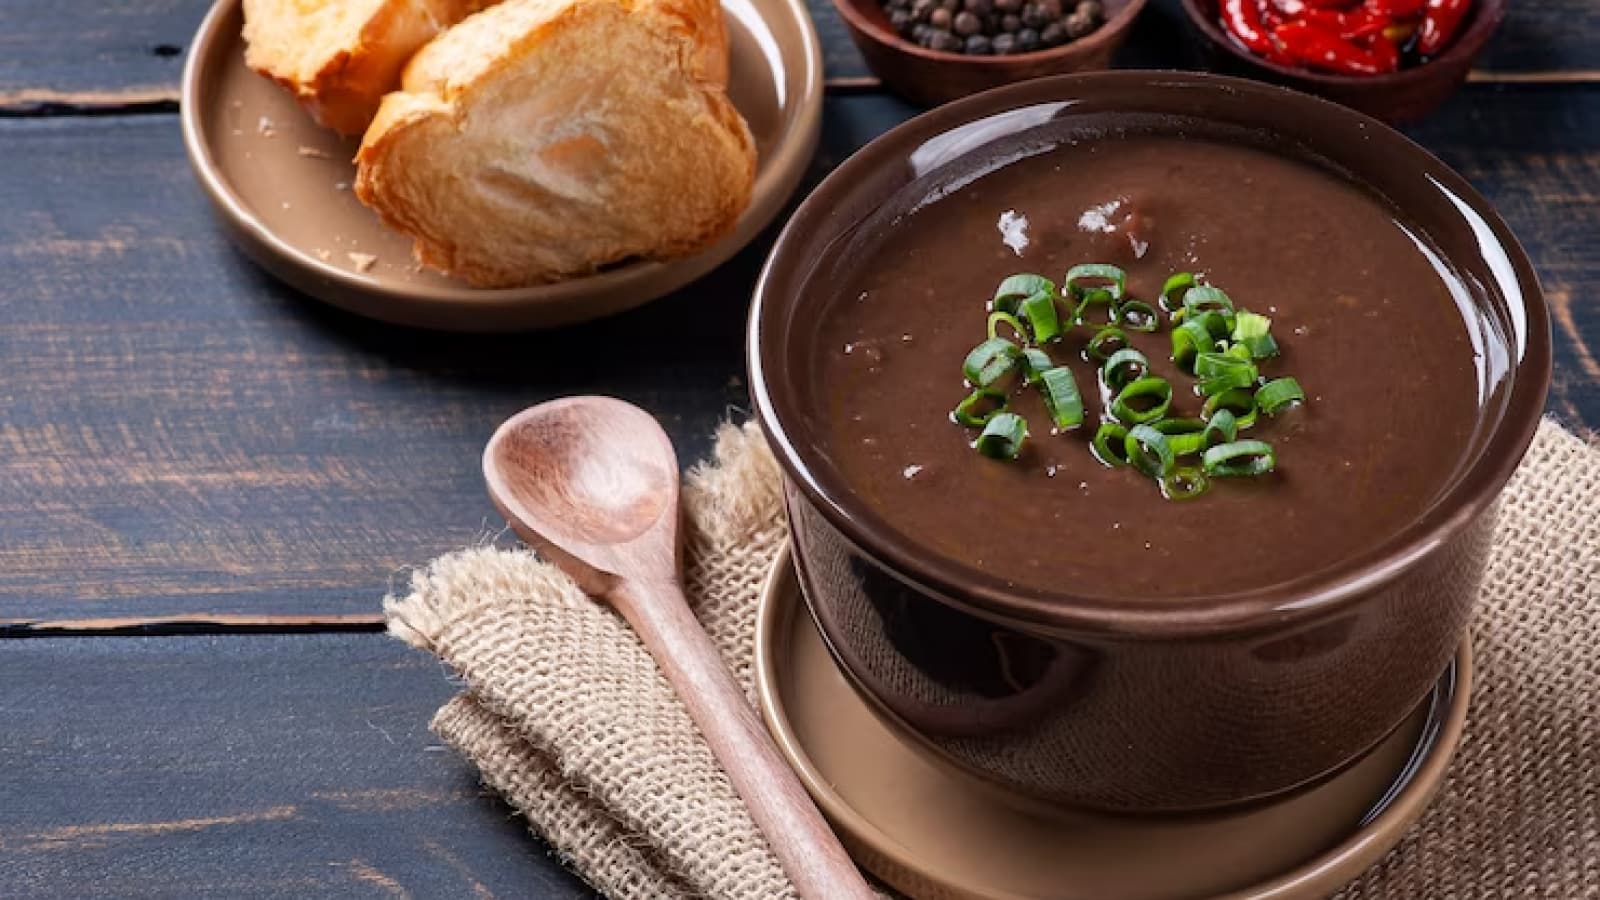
[
  {"x": 1190, "y": 339},
  {"x": 1002, "y": 438},
  {"x": 1184, "y": 483},
  {"x": 1184, "y": 436},
  {"x": 1175, "y": 285},
  {"x": 1222, "y": 428},
  {"x": 1110, "y": 445},
  {"x": 1137, "y": 315},
  {"x": 1239, "y": 459},
  {"x": 1278, "y": 395},
  {"x": 1118, "y": 279},
  {"x": 1122, "y": 406},
  {"x": 1219, "y": 372},
  {"x": 990, "y": 361},
  {"x": 1241, "y": 403},
  {"x": 1254, "y": 332},
  {"x": 997, "y": 318},
  {"x": 1204, "y": 297},
  {"x": 967, "y": 411},
  {"x": 1018, "y": 288},
  {"x": 1035, "y": 363},
  {"x": 1097, "y": 349},
  {"x": 1043, "y": 318},
  {"x": 1148, "y": 451},
  {"x": 1124, "y": 366},
  {"x": 1061, "y": 398},
  {"x": 1261, "y": 347}
]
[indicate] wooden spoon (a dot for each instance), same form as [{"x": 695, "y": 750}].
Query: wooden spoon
[{"x": 592, "y": 483}]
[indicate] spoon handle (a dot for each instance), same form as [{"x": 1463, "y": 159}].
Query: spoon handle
[{"x": 806, "y": 847}]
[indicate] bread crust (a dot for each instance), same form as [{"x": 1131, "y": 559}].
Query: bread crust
[
  {"x": 546, "y": 139},
  {"x": 339, "y": 59}
]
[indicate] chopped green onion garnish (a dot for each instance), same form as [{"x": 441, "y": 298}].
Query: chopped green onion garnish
[
  {"x": 1222, "y": 428},
  {"x": 979, "y": 407},
  {"x": 1040, "y": 309},
  {"x": 1184, "y": 483},
  {"x": 1239, "y": 402},
  {"x": 1095, "y": 271},
  {"x": 1184, "y": 436},
  {"x": 1220, "y": 372},
  {"x": 1018, "y": 288},
  {"x": 1061, "y": 398},
  {"x": 1254, "y": 332},
  {"x": 1124, "y": 366},
  {"x": 1105, "y": 342},
  {"x": 1137, "y": 315},
  {"x": 1110, "y": 445},
  {"x": 1239, "y": 458},
  {"x": 1095, "y": 297},
  {"x": 1279, "y": 394},
  {"x": 1189, "y": 340},
  {"x": 1203, "y": 297},
  {"x": 1147, "y": 450},
  {"x": 998, "y": 319},
  {"x": 1035, "y": 363},
  {"x": 1145, "y": 400},
  {"x": 1002, "y": 438},
  {"x": 990, "y": 361},
  {"x": 1172, "y": 291}
]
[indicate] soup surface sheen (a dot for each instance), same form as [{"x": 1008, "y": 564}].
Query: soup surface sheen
[{"x": 1366, "y": 324}]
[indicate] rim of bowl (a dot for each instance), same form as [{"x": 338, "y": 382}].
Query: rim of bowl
[
  {"x": 1343, "y": 582},
  {"x": 1486, "y": 18},
  {"x": 1109, "y": 30}
]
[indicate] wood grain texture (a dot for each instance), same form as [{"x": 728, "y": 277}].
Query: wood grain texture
[
  {"x": 129, "y": 53},
  {"x": 245, "y": 767},
  {"x": 182, "y": 437}
]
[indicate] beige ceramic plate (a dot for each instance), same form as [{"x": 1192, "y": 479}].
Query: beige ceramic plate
[
  {"x": 932, "y": 834},
  {"x": 281, "y": 184}
]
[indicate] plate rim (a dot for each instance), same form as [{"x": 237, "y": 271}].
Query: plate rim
[{"x": 461, "y": 307}]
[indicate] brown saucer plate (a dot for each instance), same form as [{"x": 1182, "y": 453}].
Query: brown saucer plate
[
  {"x": 280, "y": 184},
  {"x": 931, "y": 833}
]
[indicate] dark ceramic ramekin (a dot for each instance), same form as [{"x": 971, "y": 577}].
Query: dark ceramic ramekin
[{"x": 1074, "y": 701}]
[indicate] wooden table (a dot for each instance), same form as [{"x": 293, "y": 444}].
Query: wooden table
[{"x": 207, "y": 481}]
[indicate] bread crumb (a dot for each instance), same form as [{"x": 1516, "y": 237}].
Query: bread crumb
[
  {"x": 264, "y": 127},
  {"x": 311, "y": 152},
  {"x": 341, "y": 185},
  {"x": 324, "y": 255},
  {"x": 362, "y": 261}
]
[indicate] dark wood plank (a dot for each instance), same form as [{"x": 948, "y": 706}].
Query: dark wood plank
[
  {"x": 181, "y": 437},
  {"x": 129, "y": 53},
  {"x": 245, "y": 767}
]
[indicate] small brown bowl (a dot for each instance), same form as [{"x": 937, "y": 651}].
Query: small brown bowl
[
  {"x": 931, "y": 77},
  {"x": 1401, "y": 96}
]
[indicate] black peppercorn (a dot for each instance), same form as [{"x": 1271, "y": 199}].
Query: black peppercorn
[
  {"x": 967, "y": 24},
  {"x": 1003, "y": 44},
  {"x": 1009, "y": 24},
  {"x": 1053, "y": 35},
  {"x": 945, "y": 41},
  {"x": 1027, "y": 40},
  {"x": 1033, "y": 16},
  {"x": 977, "y": 45},
  {"x": 1052, "y": 9},
  {"x": 940, "y": 18},
  {"x": 921, "y": 10},
  {"x": 978, "y": 7},
  {"x": 1009, "y": 6},
  {"x": 1078, "y": 26},
  {"x": 901, "y": 20},
  {"x": 1091, "y": 9}
]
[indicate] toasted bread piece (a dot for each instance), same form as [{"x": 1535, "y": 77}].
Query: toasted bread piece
[
  {"x": 339, "y": 57},
  {"x": 545, "y": 139}
]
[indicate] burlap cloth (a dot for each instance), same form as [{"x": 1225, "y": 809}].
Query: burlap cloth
[{"x": 565, "y": 715}]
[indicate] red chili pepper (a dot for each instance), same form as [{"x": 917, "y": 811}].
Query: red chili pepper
[
  {"x": 1243, "y": 19},
  {"x": 1440, "y": 23},
  {"x": 1321, "y": 49},
  {"x": 1331, "y": 4},
  {"x": 1395, "y": 9},
  {"x": 1347, "y": 25},
  {"x": 1384, "y": 52},
  {"x": 1289, "y": 9}
]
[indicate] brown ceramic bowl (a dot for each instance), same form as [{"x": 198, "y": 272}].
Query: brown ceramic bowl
[
  {"x": 1398, "y": 97},
  {"x": 1111, "y": 704},
  {"x": 931, "y": 77}
]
